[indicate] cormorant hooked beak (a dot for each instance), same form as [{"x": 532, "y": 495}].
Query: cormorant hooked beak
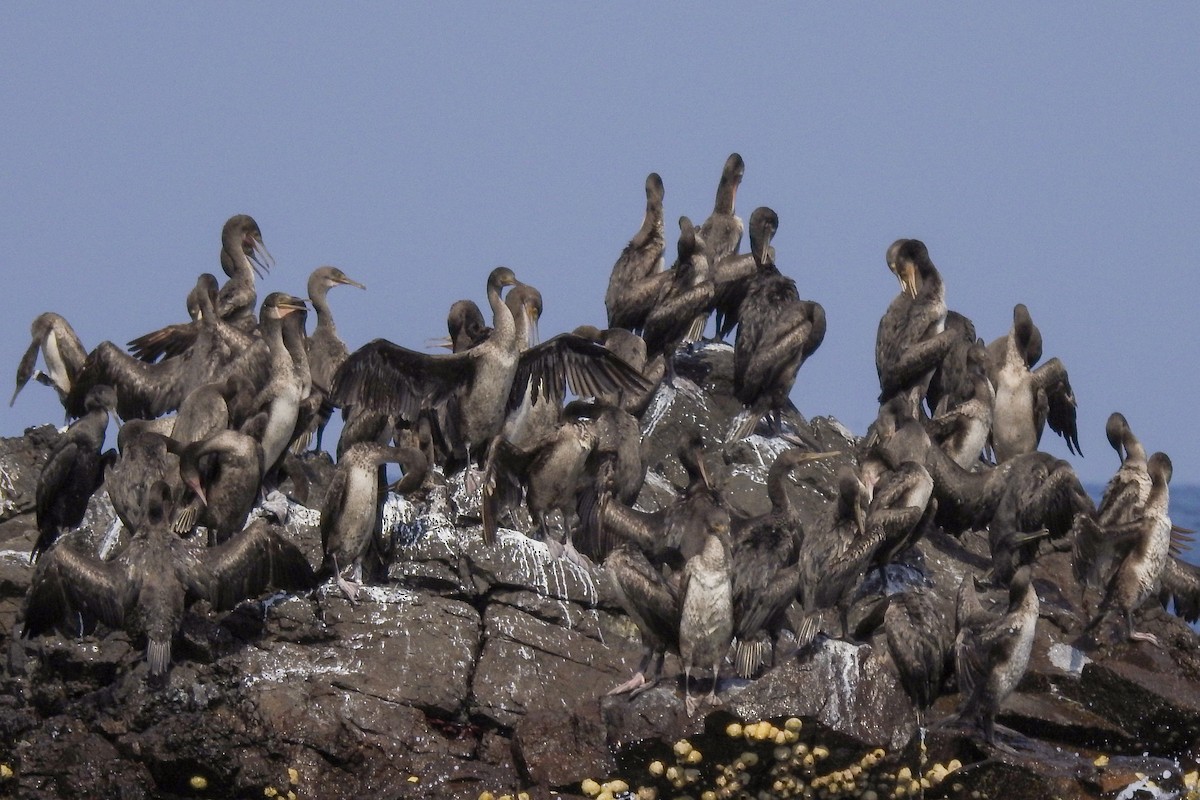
[
  {"x": 349, "y": 282},
  {"x": 531, "y": 316},
  {"x": 907, "y": 273}
]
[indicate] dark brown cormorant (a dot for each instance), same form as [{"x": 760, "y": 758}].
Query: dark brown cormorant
[
  {"x": 351, "y": 510},
  {"x": 146, "y": 588},
  {"x": 1028, "y": 398},
  {"x": 822, "y": 583},
  {"x": 681, "y": 307},
  {"x": 764, "y": 573},
  {"x": 722, "y": 235},
  {"x": 778, "y": 331},
  {"x": 921, "y": 643},
  {"x": 992, "y": 653},
  {"x": 1042, "y": 498},
  {"x": 326, "y": 350},
  {"x": 641, "y": 258},
  {"x": 963, "y": 421},
  {"x": 951, "y": 381},
  {"x": 911, "y": 341},
  {"x": 146, "y": 457},
  {"x": 1121, "y": 503},
  {"x": 73, "y": 471},
  {"x": 652, "y": 601},
  {"x": 549, "y": 472},
  {"x": 223, "y": 472},
  {"x": 61, "y": 350}
]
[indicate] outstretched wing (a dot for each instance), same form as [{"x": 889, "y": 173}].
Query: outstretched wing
[
  {"x": 255, "y": 559},
  {"x": 568, "y": 360},
  {"x": 67, "y": 582},
  {"x": 389, "y": 379}
]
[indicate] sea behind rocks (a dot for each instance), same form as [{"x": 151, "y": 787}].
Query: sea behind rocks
[{"x": 483, "y": 669}]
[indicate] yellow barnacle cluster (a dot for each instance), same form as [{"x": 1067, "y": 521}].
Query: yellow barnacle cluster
[
  {"x": 5, "y": 772},
  {"x": 765, "y": 760},
  {"x": 1191, "y": 785}
]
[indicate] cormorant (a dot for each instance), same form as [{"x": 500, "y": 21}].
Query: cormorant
[{"x": 74, "y": 470}]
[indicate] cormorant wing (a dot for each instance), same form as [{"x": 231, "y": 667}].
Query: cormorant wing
[
  {"x": 588, "y": 368},
  {"x": 66, "y": 582},
  {"x": 901, "y": 363},
  {"x": 249, "y": 562},
  {"x": 620, "y": 523},
  {"x": 762, "y": 586},
  {"x": 166, "y": 342},
  {"x": 391, "y": 379},
  {"x": 649, "y": 598},
  {"x": 1052, "y": 378},
  {"x": 27, "y": 367},
  {"x": 55, "y": 473},
  {"x": 919, "y": 641},
  {"x": 772, "y": 345},
  {"x": 1181, "y": 582}
]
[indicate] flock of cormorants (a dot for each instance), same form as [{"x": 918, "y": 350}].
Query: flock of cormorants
[{"x": 954, "y": 446}]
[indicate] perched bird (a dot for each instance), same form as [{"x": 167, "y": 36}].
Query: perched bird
[
  {"x": 921, "y": 643},
  {"x": 681, "y": 307},
  {"x": 326, "y": 351},
  {"x": 1143, "y": 547},
  {"x": 992, "y": 653},
  {"x": 689, "y": 613},
  {"x": 74, "y": 470},
  {"x": 706, "y": 607},
  {"x": 627, "y": 299},
  {"x": 778, "y": 332},
  {"x": 351, "y": 510},
  {"x": 222, "y": 471},
  {"x": 962, "y": 423},
  {"x": 287, "y": 379},
  {"x": 722, "y": 235},
  {"x": 911, "y": 340},
  {"x": 825, "y": 580},
  {"x": 147, "y": 587},
  {"x": 764, "y": 575},
  {"x": 61, "y": 350},
  {"x": 1027, "y": 398},
  {"x": 1122, "y": 503}
]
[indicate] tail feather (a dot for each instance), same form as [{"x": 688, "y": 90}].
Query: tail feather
[{"x": 158, "y": 654}]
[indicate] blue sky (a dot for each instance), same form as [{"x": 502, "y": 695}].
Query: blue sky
[{"x": 1045, "y": 153}]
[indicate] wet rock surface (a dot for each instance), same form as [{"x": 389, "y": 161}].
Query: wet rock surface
[{"x": 469, "y": 668}]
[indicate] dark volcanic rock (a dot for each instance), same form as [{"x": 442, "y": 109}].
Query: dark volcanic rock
[{"x": 469, "y": 668}]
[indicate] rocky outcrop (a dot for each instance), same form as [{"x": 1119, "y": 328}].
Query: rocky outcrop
[{"x": 470, "y": 669}]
